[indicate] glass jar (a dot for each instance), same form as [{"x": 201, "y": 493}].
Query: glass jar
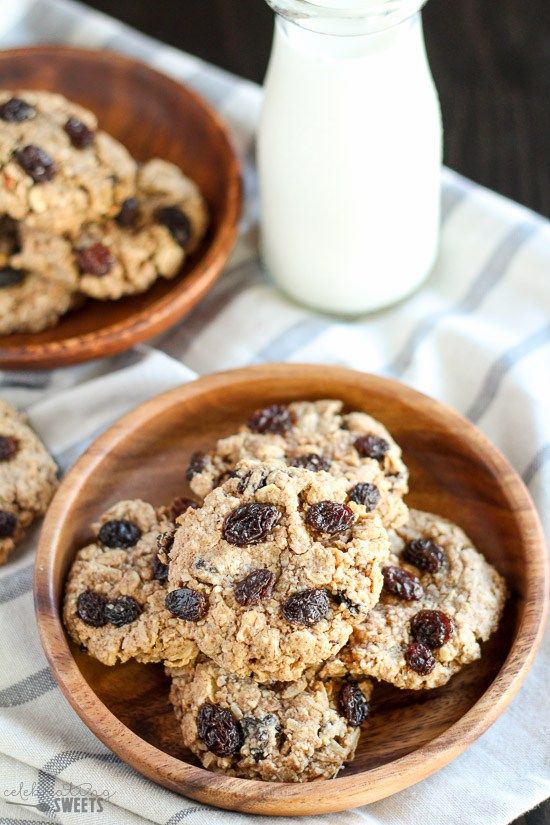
[{"x": 349, "y": 154}]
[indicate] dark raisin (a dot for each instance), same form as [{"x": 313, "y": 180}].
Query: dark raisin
[
  {"x": 419, "y": 658},
  {"x": 367, "y": 494},
  {"x": 313, "y": 462},
  {"x": 340, "y": 598},
  {"x": 96, "y": 259},
  {"x": 219, "y": 730},
  {"x": 402, "y": 584},
  {"x": 119, "y": 533},
  {"x": 275, "y": 419},
  {"x": 260, "y": 734},
  {"x": 10, "y": 277},
  {"x": 79, "y": 134},
  {"x": 16, "y": 110},
  {"x": 250, "y": 523},
  {"x": 306, "y": 607},
  {"x": 186, "y": 603},
  {"x": 371, "y": 446},
  {"x": 354, "y": 706},
  {"x": 90, "y": 607},
  {"x": 8, "y": 523},
  {"x": 180, "y": 505},
  {"x": 253, "y": 480},
  {"x": 329, "y": 517},
  {"x": 128, "y": 212},
  {"x": 431, "y": 628},
  {"x": 160, "y": 570},
  {"x": 36, "y": 163},
  {"x": 123, "y": 610},
  {"x": 197, "y": 463},
  {"x": 9, "y": 447},
  {"x": 424, "y": 554},
  {"x": 256, "y": 586},
  {"x": 176, "y": 222}
]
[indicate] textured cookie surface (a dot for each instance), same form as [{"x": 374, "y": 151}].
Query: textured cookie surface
[
  {"x": 291, "y": 732},
  {"x": 57, "y": 168},
  {"x": 454, "y": 579},
  {"x": 317, "y": 435},
  {"x": 274, "y": 570},
  {"x": 149, "y": 239},
  {"x": 114, "y": 598},
  {"x": 28, "y": 478}
]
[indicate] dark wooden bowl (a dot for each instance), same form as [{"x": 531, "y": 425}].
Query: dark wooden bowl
[
  {"x": 455, "y": 471},
  {"x": 153, "y": 116}
]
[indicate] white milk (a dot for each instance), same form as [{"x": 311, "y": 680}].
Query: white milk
[{"x": 349, "y": 154}]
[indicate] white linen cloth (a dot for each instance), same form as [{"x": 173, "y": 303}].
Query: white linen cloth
[{"x": 476, "y": 335}]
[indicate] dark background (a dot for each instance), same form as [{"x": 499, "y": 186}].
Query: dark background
[
  {"x": 490, "y": 60},
  {"x": 491, "y": 63}
]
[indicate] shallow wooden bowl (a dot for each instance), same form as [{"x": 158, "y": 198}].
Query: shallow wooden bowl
[
  {"x": 455, "y": 471},
  {"x": 153, "y": 116}
]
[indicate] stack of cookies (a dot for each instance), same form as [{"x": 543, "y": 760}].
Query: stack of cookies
[
  {"x": 78, "y": 216},
  {"x": 278, "y": 600}
]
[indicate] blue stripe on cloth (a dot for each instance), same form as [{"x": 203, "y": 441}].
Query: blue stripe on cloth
[
  {"x": 28, "y": 689},
  {"x": 501, "y": 367},
  {"x": 491, "y": 274},
  {"x": 536, "y": 464},
  {"x": 16, "y": 584}
]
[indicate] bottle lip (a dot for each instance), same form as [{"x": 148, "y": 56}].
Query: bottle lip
[{"x": 345, "y": 9}]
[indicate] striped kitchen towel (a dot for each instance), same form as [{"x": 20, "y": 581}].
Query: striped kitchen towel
[{"x": 477, "y": 335}]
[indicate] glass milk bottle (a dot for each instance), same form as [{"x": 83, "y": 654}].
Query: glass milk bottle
[{"x": 349, "y": 154}]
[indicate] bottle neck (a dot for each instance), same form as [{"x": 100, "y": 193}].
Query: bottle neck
[{"x": 346, "y": 18}]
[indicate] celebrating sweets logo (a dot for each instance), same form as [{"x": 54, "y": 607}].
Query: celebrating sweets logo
[{"x": 66, "y": 798}]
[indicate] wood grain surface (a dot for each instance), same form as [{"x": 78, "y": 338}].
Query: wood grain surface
[
  {"x": 455, "y": 472},
  {"x": 153, "y": 116},
  {"x": 491, "y": 63}
]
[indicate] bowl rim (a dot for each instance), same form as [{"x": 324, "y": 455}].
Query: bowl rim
[
  {"x": 254, "y": 796},
  {"x": 157, "y": 317}
]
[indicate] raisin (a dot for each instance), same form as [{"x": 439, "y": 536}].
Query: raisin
[
  {"x": 329, "y": 517},
  {"x": 36, "y": 163},
  {"x": 8, "y": 523},
  {"x": 165, "y": 541},
  {"x": 176, "y": 222},
  {"x": 313, "y": 462},
  {"x": 119, "y": 533},
  {"x": 252, "y": 481},
  {"x": 306, "y": 607},
  {"x": 275, "y": 419},
  {"x": 424, "y": 554},
  {"x": 180, "y": 505},
  {"x": 431, "y": 628},
  {"x": 90, "y": 607},
  {"x": 79, "y": 134},
  {"x": 354, "y": 706},
  {"x": 256, "y": 586},
  {"x": 9, "y": 447},
  {"x": 128, "y": 214},
  {"x": 197, "y": 464},
  {"x": 219, "y": 730},
  {"x": 260, "y": 734},
  {"x": 10, "y": 277},
  {"x": 160, "y": 570},
  {"x": 371, "y": 446},
  {"x": 402, "y": 584},
  {"x": 367, "y": 494},
  {"x": 123, "y": 610},
  {"x": 16, "y": 110},
  {"x": 95, "y": 259},
  {"x": 250, "y": 523},
  {"x": 186, "y": 603},
  {"x": 419, "y": 658},
  {"x": 340, "y": 598}
]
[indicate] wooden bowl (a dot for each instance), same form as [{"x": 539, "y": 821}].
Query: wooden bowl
[
  {"x": 153, "y": 116},
  {"x": 455, "y": 471}
]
